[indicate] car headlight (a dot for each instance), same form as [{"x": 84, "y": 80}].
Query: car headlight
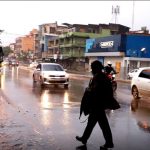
[
  {"x": 67, "y": 75},
  {"x": 44, "y": 75}
]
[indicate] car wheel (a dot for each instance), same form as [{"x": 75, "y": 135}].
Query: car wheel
[
  {"x": 66, "y": 86},
  {"x": 135, "y": 92}
]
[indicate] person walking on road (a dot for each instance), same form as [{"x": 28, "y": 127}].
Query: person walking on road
[{"x": 100, "y": 88}]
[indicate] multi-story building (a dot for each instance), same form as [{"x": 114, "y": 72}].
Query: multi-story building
[
  {"x": 48, "y": 35},
  {"x": 35, "y": 37},
  {"x": 18, "y": 44},
  {"x": 72, "y": 43},
  {"x": 28, "y": 44},
  {"x": 69, "y": 40}
]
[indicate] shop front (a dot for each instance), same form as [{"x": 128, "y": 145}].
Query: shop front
[{"x": 125, "y": 51}]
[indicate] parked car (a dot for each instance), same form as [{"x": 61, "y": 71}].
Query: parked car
[
  {"x": 50, "y": 74},
  {"x": 131, "y": 73},
  {"x": 140, "y": 83}
]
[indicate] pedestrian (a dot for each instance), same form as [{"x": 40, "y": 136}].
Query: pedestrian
[{"x": 101, "y": 90}]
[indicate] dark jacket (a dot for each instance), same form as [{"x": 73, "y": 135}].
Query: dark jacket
[
  {"x": 99, "y": 95},
  {"x": 109, "y": 69},
  {"x": 102, "y": 91}
]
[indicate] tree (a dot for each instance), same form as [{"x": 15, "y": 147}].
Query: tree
[{"x": 7, "y": 51}]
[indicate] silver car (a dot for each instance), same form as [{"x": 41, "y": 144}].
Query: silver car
[
  {"x": 140, "y": 83},
  {"x": 50, "y": 74}
]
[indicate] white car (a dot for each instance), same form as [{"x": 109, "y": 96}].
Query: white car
[
  {"x": 140, "y": 83},
  {"x": 131, "y": 73},
  {"x": 51, "y": 74}
]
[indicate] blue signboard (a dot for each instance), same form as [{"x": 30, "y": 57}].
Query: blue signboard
[
  {"x": 138, "y": 46},
  {"x": 104, "y": 44}
]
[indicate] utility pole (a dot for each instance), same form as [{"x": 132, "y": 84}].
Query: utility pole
[
  {"x": 133, "y": 16},
  {"x": 116, "y": 11}
]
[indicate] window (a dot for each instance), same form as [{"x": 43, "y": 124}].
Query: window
[
  {"x": 145, "y": 74},
  {"x": 52, "y": 68},
  {"x": 52, "y": 30}
]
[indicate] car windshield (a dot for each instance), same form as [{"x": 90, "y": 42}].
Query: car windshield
[{"x": 52, "y": 68}]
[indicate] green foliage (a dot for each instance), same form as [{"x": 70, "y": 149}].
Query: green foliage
[{"x": 7, "y": 51}]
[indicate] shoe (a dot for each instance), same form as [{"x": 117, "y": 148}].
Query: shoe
[
  {"x": 105, "y": 146},
  {"x": 81, "y": 140}
]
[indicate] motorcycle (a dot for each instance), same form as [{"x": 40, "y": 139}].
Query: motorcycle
[{"x": 112, "y": 78}]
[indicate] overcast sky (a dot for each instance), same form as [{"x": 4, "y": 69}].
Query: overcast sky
[{"x": 20, "y": 17}]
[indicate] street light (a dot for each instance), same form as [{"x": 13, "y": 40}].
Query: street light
[{"x": 143, "y": 49}]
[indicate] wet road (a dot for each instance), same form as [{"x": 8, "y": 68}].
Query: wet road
[{"x": 47, "y": 119}]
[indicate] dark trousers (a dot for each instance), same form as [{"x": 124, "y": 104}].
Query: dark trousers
[{"x": 101, "y": 118}]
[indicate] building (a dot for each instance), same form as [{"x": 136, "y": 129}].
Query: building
[
  {"x": 35, "y": 38},
  {"x": 69, "y": 40},
  {"x": 125, "y": 51},
  {"x": 48, "y": 35},
  {"x": 12, "y": 46},
  {"x": 18, "y": 45},
  {"x": 27, "y": 45},
  {"x": 28, "y": 42},
  {"x": 72, "y": 43}
]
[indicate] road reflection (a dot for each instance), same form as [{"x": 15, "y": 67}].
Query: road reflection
[
  {"x": 141, "y": 108},
  {"x": 2, "y": 81},
  {"x": 66, "y": 100},
  {"x": 45, "y": 100},
  {"x": 53, "y": 98}
]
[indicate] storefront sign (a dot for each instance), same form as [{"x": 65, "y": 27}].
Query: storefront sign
[{"x": 107, "y": 44}]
